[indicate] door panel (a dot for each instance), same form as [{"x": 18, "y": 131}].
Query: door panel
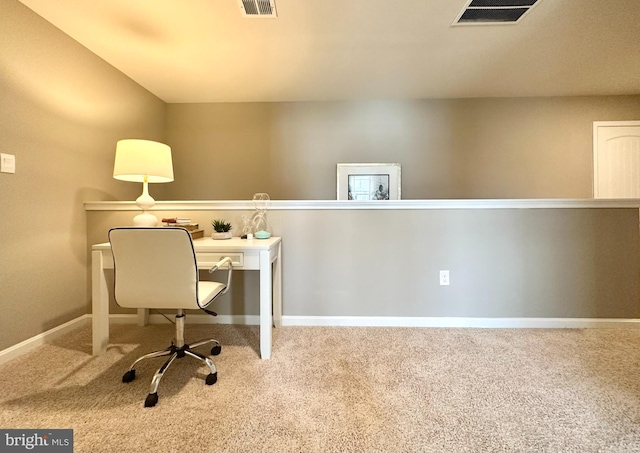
[{"x": 616, "y": 159}]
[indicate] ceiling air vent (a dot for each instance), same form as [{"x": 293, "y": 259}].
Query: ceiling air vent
[
  {"x": 491, "y": 12},
  {"x": 258, "y": 8}
]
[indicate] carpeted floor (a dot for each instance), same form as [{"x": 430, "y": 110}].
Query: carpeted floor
[{"x": 340, "y": 389}]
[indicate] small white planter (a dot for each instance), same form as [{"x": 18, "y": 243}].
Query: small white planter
[{"x": 224, "y": 235}]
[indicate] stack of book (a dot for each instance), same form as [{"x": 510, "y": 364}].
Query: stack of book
[{"x": 185, "y": 223}]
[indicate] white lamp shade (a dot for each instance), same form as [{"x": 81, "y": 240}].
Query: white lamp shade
[{"x": 140, "y": 159}]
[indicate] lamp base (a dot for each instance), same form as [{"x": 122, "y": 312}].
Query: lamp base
[{"x": 145, "y": 219}]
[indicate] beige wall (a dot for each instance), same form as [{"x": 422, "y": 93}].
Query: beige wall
[
  {"x": 504, "y": 263},
  {"x": 62, "y": 111},
  {"x": 468, "y": 148}
]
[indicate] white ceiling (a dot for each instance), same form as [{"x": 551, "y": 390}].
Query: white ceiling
[{"x": 206, "y": 51}]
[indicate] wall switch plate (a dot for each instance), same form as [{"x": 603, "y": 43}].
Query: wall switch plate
[
  {"x": 7, "y": 163},
  {"x": 444, "y": 278}
]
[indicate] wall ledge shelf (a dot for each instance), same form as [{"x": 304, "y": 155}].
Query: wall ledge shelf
[{"x": 244, "y": 205}]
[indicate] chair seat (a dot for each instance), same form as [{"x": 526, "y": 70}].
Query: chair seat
[{"x": 207, "y": 292}]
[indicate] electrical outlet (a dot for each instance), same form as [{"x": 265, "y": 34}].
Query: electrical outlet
[
  {"x": 444, "y": 278},
  {"x": 7, "y": 163}
]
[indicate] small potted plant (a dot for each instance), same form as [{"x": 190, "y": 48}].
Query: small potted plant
[{"x": 221, "y": 229}]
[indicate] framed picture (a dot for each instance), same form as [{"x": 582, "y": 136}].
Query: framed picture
[{"x": 368, "y": 182}]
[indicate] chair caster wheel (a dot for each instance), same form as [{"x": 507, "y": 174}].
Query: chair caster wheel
[
  {"x": 216, "y": 350},
  {"x": 129, "y": 376},
  {"x": 152, "y": 400},
  {"x": 212, "y": 378}
]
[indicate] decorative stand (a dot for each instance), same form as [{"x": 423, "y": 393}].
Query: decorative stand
[{"x": 261, "y": 228}]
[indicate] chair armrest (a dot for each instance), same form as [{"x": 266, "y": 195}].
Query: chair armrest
[{"x": 218, "y": 265}]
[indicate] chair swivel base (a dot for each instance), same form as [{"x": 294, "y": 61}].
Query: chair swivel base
[{"x": 174, "y": 352}]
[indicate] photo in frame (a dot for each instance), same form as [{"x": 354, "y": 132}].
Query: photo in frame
[{"x": 372, "y": 181}]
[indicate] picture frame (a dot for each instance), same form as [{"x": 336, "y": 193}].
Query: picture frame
[{"x": 368, "y": 181}]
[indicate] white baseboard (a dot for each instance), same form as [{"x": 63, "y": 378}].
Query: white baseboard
[
  {"x": 503, "y": 323},
  {"x": 43, "y": 338},
  {"x": 345, "y": 321},
  {"x": 398, "y": 321},
  {"x": 154, "y": 318}
]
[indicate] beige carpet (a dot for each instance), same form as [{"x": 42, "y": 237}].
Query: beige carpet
[{"x": 340, "y": 390}]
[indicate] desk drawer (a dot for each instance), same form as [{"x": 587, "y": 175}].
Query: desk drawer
[{"x": 208, "y": 259}]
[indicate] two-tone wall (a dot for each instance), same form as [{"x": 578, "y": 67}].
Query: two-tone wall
[
  {"x": 352, "y": 262},
  {"x": 63, "y": 109}
]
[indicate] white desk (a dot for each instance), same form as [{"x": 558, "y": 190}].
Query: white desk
[{"x": 255, "y": 254}]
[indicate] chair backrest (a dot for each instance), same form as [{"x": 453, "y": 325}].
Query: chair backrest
[{"x": 154, "y": 267}]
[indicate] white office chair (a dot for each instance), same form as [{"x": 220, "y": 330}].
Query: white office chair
[{"x": 155, "y": 267}]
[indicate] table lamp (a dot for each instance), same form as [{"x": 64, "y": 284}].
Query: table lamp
[{"x": 147, "y": 162}]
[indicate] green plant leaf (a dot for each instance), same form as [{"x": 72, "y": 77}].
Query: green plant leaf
[{"x": 221, "y": 225}]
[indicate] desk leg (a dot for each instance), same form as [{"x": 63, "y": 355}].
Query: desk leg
[
  {"x": 99, "y": 304},
  {"x": 265, "y": 305},
  {"x": 143, "y": 316},
  {"x": 277, "y": 289}
]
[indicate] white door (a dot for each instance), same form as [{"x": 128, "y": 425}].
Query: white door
[{"x": 616, "y": 159}]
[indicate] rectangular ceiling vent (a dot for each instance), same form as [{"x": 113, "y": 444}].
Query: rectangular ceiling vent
[
  {"x": 258, "y": 8},
  {"x": 491, "y": 12}
]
